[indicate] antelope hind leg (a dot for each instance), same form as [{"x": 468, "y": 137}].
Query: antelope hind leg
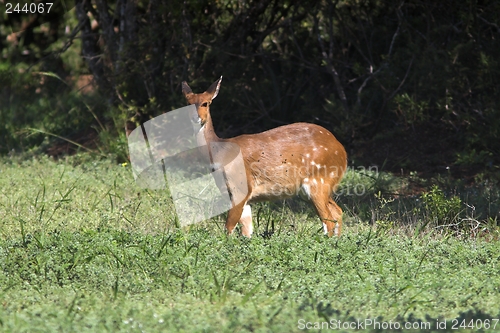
[
  {"x": 336, "y": 213},
  {"x": 246, "y": 221}
]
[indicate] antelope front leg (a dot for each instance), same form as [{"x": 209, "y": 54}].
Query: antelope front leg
[
  {"x": 240, "y": 213},
  {"x": 233, "y": 216}
]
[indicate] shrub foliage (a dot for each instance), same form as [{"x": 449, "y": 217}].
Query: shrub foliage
[{"x": 365, "y": 69}]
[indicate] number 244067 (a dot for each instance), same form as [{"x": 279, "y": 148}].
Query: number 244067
[
  {"x": 32, "y": 8},
  {"x": 474, "y": 324}
]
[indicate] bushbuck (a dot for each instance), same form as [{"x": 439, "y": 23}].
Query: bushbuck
[{"x": 279, "y": 163}]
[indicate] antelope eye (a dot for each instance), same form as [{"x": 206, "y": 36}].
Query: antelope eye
[{"x": 205, "y": 104}]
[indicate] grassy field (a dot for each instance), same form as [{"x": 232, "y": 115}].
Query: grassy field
[{"x": 83, "y": 249}]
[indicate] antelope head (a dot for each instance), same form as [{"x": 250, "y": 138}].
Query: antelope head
[{"x": 202, "y": 101}]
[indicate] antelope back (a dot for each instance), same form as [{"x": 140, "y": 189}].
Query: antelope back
[{"x": 281, "y": 160}]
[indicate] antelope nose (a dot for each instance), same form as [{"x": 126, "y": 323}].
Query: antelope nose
[{"x": 195, "y": 118}]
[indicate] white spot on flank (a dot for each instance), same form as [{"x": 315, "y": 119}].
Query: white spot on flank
[
  {"x": 321, "y": 132},
  {"x": 314, "y": 149},
  {"x": 336, "y": 152},
  {"x": 306, "y": 189},
  {"x": 332, "y": 174},
  {"x": 312, "y": 163},
  {"x": 318, "y": 166},
  {"x": 306, "y": 180},
  {"x": 302, "y": 160},
  {"x": 326, "y": 148},
  {"x": 307, "y": 155},
  {"x": 314, "y": 181},
  {"x": 322, "y": 181}
]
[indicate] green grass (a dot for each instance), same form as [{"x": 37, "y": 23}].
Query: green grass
[{"x": 83, "y": 249}]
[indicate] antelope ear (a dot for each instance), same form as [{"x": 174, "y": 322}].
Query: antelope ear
[
  {"x": 214, "y": 88},
  {"x": 186, "y": 90}
]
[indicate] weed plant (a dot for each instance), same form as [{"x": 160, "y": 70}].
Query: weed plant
[{"x": 83, "y": 249}]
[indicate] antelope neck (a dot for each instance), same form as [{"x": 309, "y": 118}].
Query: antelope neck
[{"x": 208, "y": 131}]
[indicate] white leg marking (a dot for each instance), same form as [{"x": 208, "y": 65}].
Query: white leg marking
[
  {"x": 246, "y": 220},
  {"x": 247, "y": 211},
  {"x": 325, "y": 229}
]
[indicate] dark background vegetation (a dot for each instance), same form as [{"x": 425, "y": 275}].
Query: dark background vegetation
[{"x": 407, "y": 85}]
